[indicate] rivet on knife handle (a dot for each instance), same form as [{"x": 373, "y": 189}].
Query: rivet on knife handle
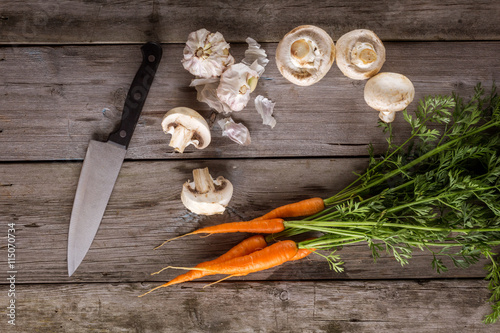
[{"x": 136, "y": 96}]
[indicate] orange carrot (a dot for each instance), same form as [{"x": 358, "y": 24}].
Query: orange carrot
[
  {"x": 271, "y": 256},
  {"x": 302, "y": 253},
  {"x": 268, "y": 226},
  {"x": 264, "y": 226},
  {"x": 244, "y": 248},
  {"x": 301, "y": 208},
  {"x": 247, "y": 246}
]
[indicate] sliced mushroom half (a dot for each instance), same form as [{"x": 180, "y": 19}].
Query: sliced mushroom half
[
  {"x": 389, "y": 93},
  {"x": 305, "y": 55},
  {"x": 360, "y": 54},
  {"x": 204, "y": 195},
  {"x": 187, "y": 127}
]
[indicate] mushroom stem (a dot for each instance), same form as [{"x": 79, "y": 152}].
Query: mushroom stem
[
  {"x": 387, "y": 117},
  {"x": 181, "y": 136},
  {"x": 302, "y": 52},
  {"x": 203, "y": 182},
  {"x": 300, "y": 49},
  {"x": 363, "y": 54}
]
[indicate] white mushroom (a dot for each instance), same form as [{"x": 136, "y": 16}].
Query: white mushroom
[
  {"x": 389, "y": 93},
  {"x": 187, "y": 127},
  {"x": 360, "y": 54},
  {"x": 305, "y": 55},
  {"x": 206, "y": 54},
  {"x": 205, "y": 195}
]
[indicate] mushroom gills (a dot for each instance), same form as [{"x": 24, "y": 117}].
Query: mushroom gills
[
  {"x": 305, "y": 55},
  {"x": 206, "y": 196},
  {"x": 363, "y": 55},
  {"x": 360, "y": 54},
  {"x": 187, "y": 127}
]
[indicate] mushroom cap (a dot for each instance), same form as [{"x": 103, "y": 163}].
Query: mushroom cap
[
  {"x": 311, "y": 72},
  {"x": 209, "y": 203},
  {"x": 349, "y": 60},
  {"x": 191, "y": 120},
  {"x": 389, "y": 92}
]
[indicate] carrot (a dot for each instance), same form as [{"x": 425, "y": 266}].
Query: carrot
[
  {"x": 267, "y": 226},
  {"x": 301, "y": 208},
  {"x": 245, "y": 247},
  {"x": 302, "y": 253},
  {"x": 271, "y": 256}
]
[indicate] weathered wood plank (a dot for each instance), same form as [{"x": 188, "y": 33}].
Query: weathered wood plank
[
  {"x": 145, "y": 209},
  {"x": 335, "y": 306},
  {"x": 54, "y": 99},
  {"x": 79, "y": 21}
]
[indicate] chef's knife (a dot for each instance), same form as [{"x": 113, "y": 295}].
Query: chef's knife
[{"x": 103, "y": 161}]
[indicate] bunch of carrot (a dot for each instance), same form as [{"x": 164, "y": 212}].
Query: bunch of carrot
[{"x": 252, "y": 254}]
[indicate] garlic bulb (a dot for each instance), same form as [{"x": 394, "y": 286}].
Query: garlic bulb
[
  {"x": 206, "y": 54},
  {"x": 236, "y": 84}
]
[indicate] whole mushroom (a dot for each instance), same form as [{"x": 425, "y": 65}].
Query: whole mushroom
[
  {"x": 204, "y": 195},
  {"x": 389, "y": 93},
  {"x": 360, "y": 54},
  {"x": 187, "y": 127},
  {"x": 305, "y": 55}
]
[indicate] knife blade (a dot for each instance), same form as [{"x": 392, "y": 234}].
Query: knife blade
[{"x": 103, "y": 162}]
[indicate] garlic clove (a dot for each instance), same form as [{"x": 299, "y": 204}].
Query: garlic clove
[{"x": 234, "y": 87}]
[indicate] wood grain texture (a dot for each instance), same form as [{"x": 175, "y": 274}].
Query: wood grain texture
[
  {"x": 248, "y": 307},
  {"x": 145, "y": 209},
  {"x": 169, "y": 21},
  {"x": 55, "y": 99}
]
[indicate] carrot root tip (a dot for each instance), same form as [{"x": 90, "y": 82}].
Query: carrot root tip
[
  {"x": 171, "y": 239},
  {"x": 220, "y": 280},
  {"x": 151, "y": 290},
  {"x": 161, "y": 270}
]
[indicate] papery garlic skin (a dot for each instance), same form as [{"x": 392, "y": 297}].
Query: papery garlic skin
[
  {"x": 235, "y": 86},
  {"x": 206, "y": 54},
  {"x": 207, "y": 93},
  {"x": 236, "y": 132},
  {"x": 255, "y": 53},
  {"x": 265, "y": 108}
]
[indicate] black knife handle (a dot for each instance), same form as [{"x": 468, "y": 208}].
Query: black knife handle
[{"x": 136, "y": 96}]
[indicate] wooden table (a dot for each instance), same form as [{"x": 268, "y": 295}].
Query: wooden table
[{"x": 65, "y": 69}]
